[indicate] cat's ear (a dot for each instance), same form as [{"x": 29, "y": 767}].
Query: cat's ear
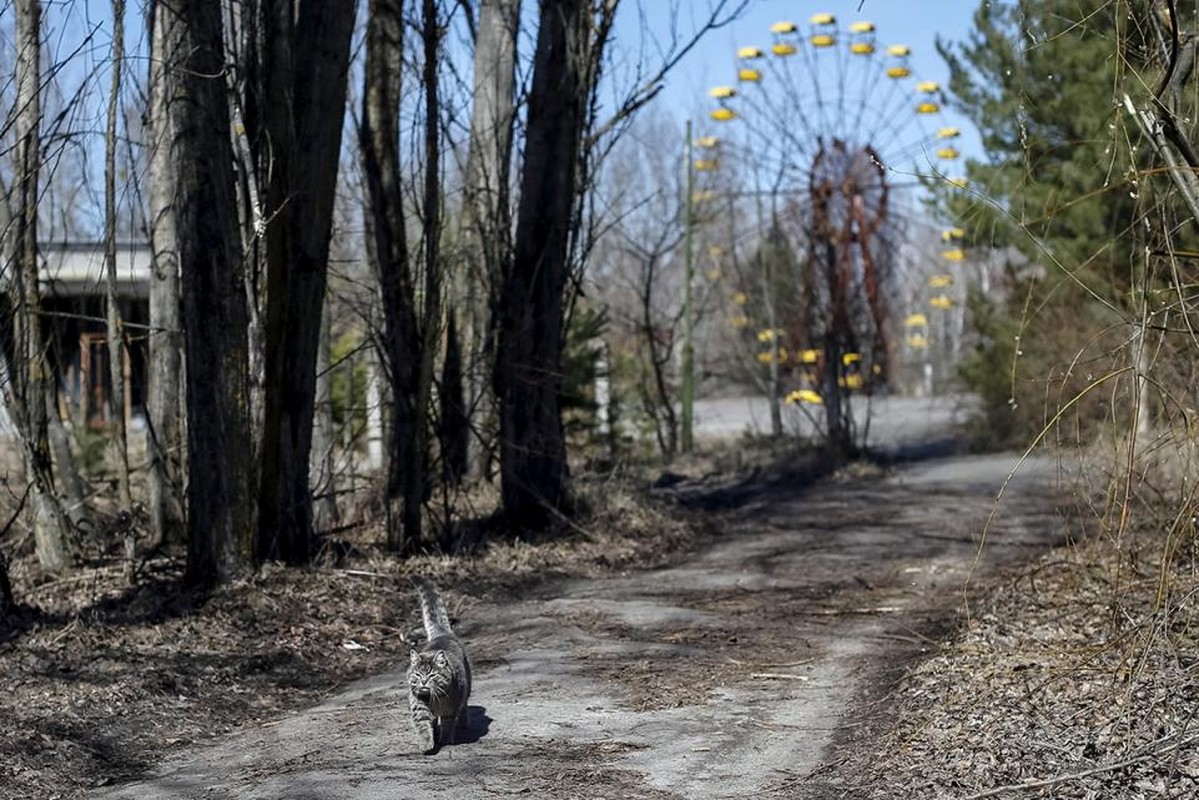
[
  {"x": 441, "y": 660},
  {"x": 414, "y": 657}
]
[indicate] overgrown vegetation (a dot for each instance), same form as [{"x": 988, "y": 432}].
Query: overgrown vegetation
[{"x": 1076, "y": 679}]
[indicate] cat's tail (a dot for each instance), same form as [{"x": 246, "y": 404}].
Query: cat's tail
[{"x": 437, "y": 621}]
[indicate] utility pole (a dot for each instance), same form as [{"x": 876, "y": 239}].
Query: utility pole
[{"x": 688, "y": 268}]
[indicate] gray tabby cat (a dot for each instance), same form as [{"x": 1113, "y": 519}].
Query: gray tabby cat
[{"x": 438, "y": 674}]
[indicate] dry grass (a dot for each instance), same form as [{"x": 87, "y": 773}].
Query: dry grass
[{"x": 1075, "y": 677}]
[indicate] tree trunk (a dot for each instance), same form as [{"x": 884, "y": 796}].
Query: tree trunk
[
  {"x": 305, "y": 63},
  {"x": 69, "y": 485},
  {"x": 402, "y": 341},
  {"x": 194, "y": 130},
  {"x": 324, "y": 512},
  {"x": 116, "y": 334},
  {"x": 486, "y": 233},
  {"x": 452, "y": 417},
  {"x": 34, "y": 390},
  {"x": 7, "y": 601},
  {"x": 166, "y": 410},
  {"x": 431, "y": 235},
  {"x": 533, "y": 469}
]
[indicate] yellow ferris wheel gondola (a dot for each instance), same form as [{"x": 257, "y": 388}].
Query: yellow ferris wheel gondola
[
  {"x": 861, "y": 42},
  {"x": 898, "y": 56},
  {"x": 932, "y": 92},
  {"x": 942, "y": 302},
  {"x": 722, "y": 94},
  {"x": 948, "y": 151},
  {"x": 824, "y": 30},
  {"x": 784, "y": 38},
  {"x": 748, "y": 72}
]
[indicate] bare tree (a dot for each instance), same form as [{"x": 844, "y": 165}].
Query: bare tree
[
  {"x": 166, "y": 409},
  {"x": 33, "y": 389},
  {"x": 408, "y": 336},
  {"x": 194, "y": 130},
  {"x": 564, "y": 143},
  {"x": 116, "y": 334},
  {"x": 528, "y": 379},
  {"x": 487, "y": 229},
  {"x": 300, "y": 99}
]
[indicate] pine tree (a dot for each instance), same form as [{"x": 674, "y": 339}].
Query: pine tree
[{"x": 1043, "y": 82}]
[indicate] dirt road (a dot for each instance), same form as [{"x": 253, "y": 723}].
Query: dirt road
[{"x": 727, "y": 675}]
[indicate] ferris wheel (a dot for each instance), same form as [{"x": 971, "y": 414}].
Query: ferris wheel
[{"x": 834, "y": 129}]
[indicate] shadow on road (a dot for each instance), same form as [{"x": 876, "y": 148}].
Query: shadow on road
[
  {"x": 478, "y": 724},
  {"x": 797, "y": 473}
]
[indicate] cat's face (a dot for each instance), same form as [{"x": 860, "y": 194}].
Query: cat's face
[{"x": 429, "y": 674}]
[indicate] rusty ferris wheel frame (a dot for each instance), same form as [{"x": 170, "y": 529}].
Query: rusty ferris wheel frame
[
  {"x": 831, "y": 132},
  {"x": 848, "y": 195}
]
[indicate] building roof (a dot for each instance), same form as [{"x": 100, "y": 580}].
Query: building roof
[{"x": 76, "y": 269}]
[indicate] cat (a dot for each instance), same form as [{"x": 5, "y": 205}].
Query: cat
[{"x": 438, "y": 675}]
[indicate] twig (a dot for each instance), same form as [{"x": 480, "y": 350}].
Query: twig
[
  {"x": 1075, "y": 776},
  {"x": 839, "y": 612},
  {"x": 780, "y": 676},
  {"x": 362, "y": 573},
  {"x": 741, "y": 663}
]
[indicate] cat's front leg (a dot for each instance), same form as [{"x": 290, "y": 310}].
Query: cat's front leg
[
  {"x": 448, "y": 729},
  {"x": 422, "y": 720}
]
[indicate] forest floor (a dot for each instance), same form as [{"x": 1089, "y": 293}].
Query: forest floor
[{"x": 769, "y": 633}]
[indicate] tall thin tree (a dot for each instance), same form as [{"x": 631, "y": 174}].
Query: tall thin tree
[
  {"x": 165, "y": 408},
  {"x": 404, "y": 338},
  {"x": 115, "y": 327},
  {"x": 487, "y": 238},
  {"x": 32, "y": 398}
]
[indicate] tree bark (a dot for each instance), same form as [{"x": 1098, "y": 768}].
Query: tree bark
[
  {"x": 115, "y": 327},
  {"x": 34, "y": 389},
  {"x": 324, "y": 512},
  {"x": 166, "y": 410},
  {"x": 305, "y": 64},
  {"x": 452, "y": 417},
  {"x": 487, "y": 230},
  {"x": 403, "y": 343},
  {"x": 194, "y": 130},
  {"x": 533, "y": 468},
  {"x": 7, "y": 601}
]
